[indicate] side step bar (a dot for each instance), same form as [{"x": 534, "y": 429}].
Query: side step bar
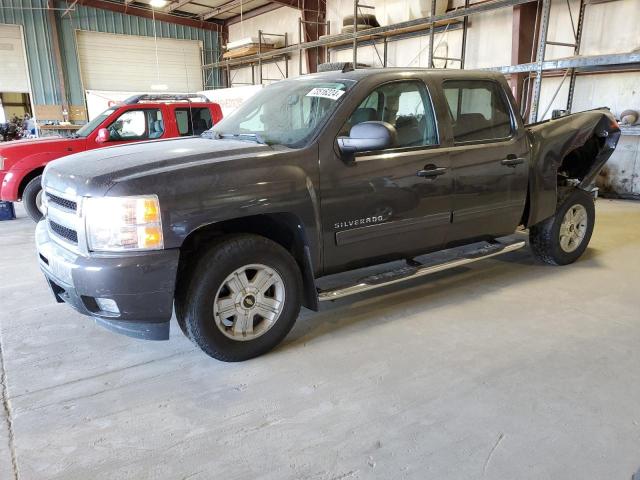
[{"x": 412, "y": 271}]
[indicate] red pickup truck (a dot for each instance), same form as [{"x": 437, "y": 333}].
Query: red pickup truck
[{"x": 139, "y": 118}]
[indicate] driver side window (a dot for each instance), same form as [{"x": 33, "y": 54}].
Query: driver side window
[
  {"x": 404, "y": 105},
  {"x": 137, "y": 125}
]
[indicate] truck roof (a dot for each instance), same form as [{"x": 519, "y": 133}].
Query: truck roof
[
  {"x": 167, "y": 98},
  {"x": 383, "y": 73}
]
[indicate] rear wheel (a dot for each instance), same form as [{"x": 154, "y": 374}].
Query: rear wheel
[
  {"x": 243, "y": 298},
  {"x": 32, "y": 198},
  {"x": 562, "y": 238}
]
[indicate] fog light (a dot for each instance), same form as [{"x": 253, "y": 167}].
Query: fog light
[{"x": 107, "y": 305}]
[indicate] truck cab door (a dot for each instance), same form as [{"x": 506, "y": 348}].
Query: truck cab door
[
  {"x": 391, "y": 203},
  {"x": 135, "y": 125},
  {"x": 489, "y": 160}
]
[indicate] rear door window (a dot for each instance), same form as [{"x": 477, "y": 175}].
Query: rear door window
[
  {"x": 478, "y": 110},
  {"x": 193, "y": 121}
]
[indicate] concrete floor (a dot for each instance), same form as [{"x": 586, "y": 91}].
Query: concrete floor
[{"x": 503, "y": 370}]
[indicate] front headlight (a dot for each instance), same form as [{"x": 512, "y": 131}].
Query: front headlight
[{"x": 123, "y": 223}]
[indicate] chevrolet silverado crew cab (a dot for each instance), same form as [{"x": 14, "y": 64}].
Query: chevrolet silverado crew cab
[
  {"x": 141, "y": 117},
  {"x": 310, "y": 177}
]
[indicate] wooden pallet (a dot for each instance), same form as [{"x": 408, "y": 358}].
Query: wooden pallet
[{"x": 248, "y": 50}]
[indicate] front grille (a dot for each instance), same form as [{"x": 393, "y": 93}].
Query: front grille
[
  {"x": 64, "y": 232},
  {"x": 63, "y": 202}
]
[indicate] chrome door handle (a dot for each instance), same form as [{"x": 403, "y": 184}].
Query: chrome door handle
[
  {"x": 512, "y": 161},
  {"x": 432, "y": 172}
]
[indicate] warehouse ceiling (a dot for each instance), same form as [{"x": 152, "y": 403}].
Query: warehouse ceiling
[
  {"x": 218, "y": 9},
  {"x": 210, "y": 14},
  {"x": 206, "y": 10}
]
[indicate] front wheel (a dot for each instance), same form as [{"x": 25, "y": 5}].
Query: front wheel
[
  {"x": 32, "y": 198},
  {"x": 243, "y": 298},
  {"x": 562, "y": 238}
]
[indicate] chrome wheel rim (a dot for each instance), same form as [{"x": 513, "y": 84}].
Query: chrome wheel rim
[
  {"x": 573, "y": 228},
  {"x": 39, "y": 201},
  {"x": 249, "y": 302}
]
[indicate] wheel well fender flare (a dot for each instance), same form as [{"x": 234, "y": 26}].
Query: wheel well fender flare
[{"x": 285, "y": 229}]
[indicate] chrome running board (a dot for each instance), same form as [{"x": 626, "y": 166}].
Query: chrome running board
[{"x": 412, "y": 271}]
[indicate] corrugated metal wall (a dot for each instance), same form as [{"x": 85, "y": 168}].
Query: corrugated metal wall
[
  {"x": 33, "y": 17},
  {"x": 37, "y": 32}
]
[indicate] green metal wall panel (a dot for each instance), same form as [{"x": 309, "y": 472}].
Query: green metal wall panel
[{"x": 33, "y": 17}]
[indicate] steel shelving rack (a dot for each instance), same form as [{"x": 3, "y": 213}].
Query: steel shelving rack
[{"x": 571, "y": 66}]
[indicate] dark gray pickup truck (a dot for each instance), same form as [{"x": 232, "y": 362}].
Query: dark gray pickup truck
[{"x": 313, "y": 176}]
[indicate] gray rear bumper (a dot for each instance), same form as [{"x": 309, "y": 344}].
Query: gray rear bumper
[{"x": 141, "y": 284}]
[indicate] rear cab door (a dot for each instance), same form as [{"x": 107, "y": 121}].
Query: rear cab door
[
  {"x": 489, "y": 158},
  {"x": 194, "y": 119}
]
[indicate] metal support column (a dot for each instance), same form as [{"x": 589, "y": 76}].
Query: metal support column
[
  {"x": 465, "y": 26},
  {"x": 286, "y": 57},
  {"x": 300, "y": 42},
  {"x": 578, "y": 37},
  {"x": 384, "y": 54},
  {"x": 355, "y": 34},
  {"x": 260, "y": 57},
  {"x": 431, "y": 34},
  {"x": 542, "y": 47},
  {"x": 327, "y": 53}
]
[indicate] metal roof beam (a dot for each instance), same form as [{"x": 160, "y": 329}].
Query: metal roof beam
[
  {"x": 176, "y": 5},
  {"x": 225, "y": 7},
  {"x": 146, "y": 13},
  {"x": 269, "y": 7}
]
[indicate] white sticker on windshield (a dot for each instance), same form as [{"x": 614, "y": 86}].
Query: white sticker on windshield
[{"x": 330, "y": 93}]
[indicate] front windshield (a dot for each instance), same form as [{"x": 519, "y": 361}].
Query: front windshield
[
  {"x": 90, "y": 127},
  {"x": 286, "y": 113}
]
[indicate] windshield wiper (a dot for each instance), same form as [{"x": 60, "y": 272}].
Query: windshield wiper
[{"x": 242, "y": 136}]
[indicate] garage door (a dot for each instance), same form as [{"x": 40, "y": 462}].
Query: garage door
[
  {"x": 13, "y": 76},
  {"x": 128, "y": 63}
]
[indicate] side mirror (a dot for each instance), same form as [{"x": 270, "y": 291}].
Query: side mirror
[
  {"x": 103, "y": 135},
  {"x": 367, "y": 136},
  {"x": 558, "y": 113}
]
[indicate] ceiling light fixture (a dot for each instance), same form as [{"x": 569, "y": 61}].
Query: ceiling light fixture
[{"x": 158, "y": 3}]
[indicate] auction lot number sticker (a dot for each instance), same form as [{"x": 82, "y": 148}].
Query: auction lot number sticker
[{"x": 330, "y": 93}]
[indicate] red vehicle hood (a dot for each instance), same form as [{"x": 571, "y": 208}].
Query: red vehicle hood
[{"x": 17, "y": 150}]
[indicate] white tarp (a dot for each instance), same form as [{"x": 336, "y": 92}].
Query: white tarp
[
  {"x": 231, "y": 98},
  {"x": 228, "y": 98},
  {"x": 99, "y": 100}
]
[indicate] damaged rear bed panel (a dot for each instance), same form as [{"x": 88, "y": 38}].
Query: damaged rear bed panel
[{"x": 577, "y": 146}]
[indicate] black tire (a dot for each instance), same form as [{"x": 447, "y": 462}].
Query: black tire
[
  {"x": 178, "y": 307},
  {"x": 195, "y": 311},
  {"x": 544, "y": 237},
  {"x": 363, "y": 19},
  {"x": 29, "y": 196},
  {"x": 351, "y": 28}
]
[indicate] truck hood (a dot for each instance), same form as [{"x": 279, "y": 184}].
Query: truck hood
[
  {"x": 15, "y": 151},
  {"x": 94, "y": 172}
]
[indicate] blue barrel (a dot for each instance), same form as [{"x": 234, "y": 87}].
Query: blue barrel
[{"x": 7, "y": 212}]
